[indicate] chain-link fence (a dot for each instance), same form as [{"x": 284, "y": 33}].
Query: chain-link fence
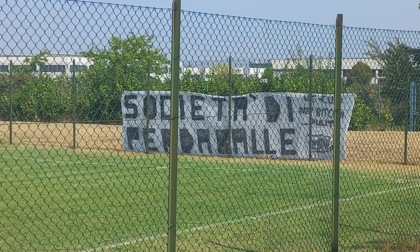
[{"x": 85, "y": 132}]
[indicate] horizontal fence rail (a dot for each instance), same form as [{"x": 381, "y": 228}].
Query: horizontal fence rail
[{"x": 85, "y": 132}]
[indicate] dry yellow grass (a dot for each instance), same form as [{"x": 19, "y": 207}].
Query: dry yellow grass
[
  {"x": 383, "y": 146},
  {"x": 373, "y": 148},
  {"x": 88, "y": 136}
]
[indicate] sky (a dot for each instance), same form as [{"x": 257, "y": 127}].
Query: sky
[{"x": 381, "y": 14}]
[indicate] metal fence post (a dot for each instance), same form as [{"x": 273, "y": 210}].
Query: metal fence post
[
  {"x": 409, "y": 125},
  {"x": 148, "y": 105},
  {"x": 412, "y": 105},
  {"x": 337, "y": 128},
  {"x": 310, "y": 106},
  {"x": 10, "y": 103},
  {"x": 405, "y": 145},
  {"x": 73, "y": 80},
  {"x": 173, "y": 144},
  {"x": 230, "y": 107}
]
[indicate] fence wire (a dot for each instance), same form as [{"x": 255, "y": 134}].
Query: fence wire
[{"x": 85, "y": 129}]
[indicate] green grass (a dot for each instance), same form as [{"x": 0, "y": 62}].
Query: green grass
[{"x": 63, "y": 199}]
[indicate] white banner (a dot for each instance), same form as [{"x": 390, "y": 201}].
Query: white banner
[{"x": 260, "y": 124}]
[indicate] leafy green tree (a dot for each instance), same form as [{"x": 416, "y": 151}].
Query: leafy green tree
[
  {"x": 361, "y": 117},
  {"x": 254, "y": 84},
  {"x": 295, "y": 79},
  {"x": 400, "y": 67},
  {"x": 36, "y": 96},
  {"x": 297, "y": 76},
  {"x": 127, "y": 64},
  {"x": 361, "y": 74},
  {"x": 36, "y": 62},
  {"x": 220, "y": 83},
  {"x": 359, "y": 83},
  {"x": 268, "y": 79},
  {"x": 44, "y": 99},
  {"x": 192, "y": 83}
]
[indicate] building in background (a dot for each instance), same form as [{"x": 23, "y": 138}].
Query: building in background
[{"x": 57, "y": 64}]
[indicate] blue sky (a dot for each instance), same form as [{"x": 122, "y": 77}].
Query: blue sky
[{"x": 383, "y": 14}]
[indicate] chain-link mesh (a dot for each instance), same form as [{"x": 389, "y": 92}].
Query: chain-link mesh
[
  {"x": 380, "y": 179},
  {"x": 85, "y": 129},
  {"x": 66, "y": 182}
]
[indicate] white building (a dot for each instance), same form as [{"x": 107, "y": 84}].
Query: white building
[
  {"x": 55, "y": 64},
  {"x": 257, "y": 69},
  {"x": 193, "y": 71},
  {"x": 377, "y": 73}
]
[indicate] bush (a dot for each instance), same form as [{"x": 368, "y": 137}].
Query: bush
[
  {"x": 362, "y": 116},
  {"x": 40, "y": 99},
  {"x": 127, "y": 64},
  {"x": 34, "y": 96}
]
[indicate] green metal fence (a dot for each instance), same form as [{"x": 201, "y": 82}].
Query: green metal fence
[{"x": 86, "y": 122}]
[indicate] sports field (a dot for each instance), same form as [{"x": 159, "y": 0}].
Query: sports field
[{"x": 55, "y": 199}]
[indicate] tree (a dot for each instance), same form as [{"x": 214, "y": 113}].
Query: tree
[
  {"x": 44, "y": 99},
  {"x": 359, "y": 82},
  {"x": 37, "y": 96},
  {"x": 268, "y": 79},
  {"x": 401, "y": 66},
  {"x": 192, "y": 83},
  {"x": 219, "y": 81},
  {"x": 360, "y": 73},
  {"x": 128, "y": 64},
  {"x": 37, "y": 61},
  {"x": 297, "y": 75}
]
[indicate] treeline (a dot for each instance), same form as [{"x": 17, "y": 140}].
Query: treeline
[{"x": 94, "y": 94}]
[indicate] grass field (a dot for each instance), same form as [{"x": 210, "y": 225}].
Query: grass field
[
  {"x": 374, "y": 148},
  {"x": 55, "y": 199}
]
